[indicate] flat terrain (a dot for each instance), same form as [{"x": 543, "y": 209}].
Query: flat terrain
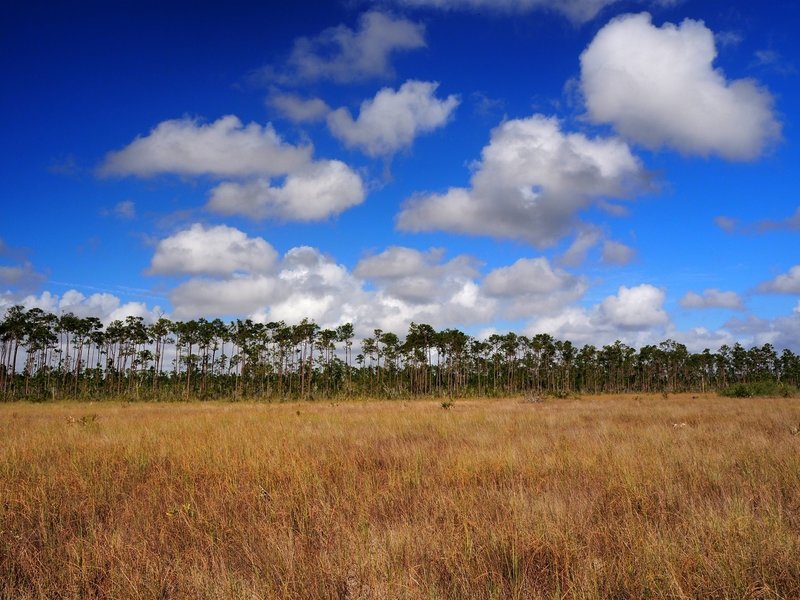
[{"x": 679, "y": 497}]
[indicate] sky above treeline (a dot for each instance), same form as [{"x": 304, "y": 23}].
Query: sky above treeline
[{"x": 593, "y": 169}]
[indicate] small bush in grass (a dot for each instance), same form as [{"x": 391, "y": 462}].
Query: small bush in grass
[{"x": 772, "y": 389}]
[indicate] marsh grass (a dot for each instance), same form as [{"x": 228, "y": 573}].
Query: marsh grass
[{"x": 575, "y": 498}]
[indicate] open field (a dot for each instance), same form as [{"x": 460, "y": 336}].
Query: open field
[{"x": 683, "y": 497}]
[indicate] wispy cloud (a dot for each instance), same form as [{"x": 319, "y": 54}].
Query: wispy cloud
[{"x": 344, "y": 55}]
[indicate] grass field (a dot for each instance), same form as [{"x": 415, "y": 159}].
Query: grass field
[{"x": 625, "y": 497}]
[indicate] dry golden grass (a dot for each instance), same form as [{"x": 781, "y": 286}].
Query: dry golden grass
[{"x": 590, "y": 498}]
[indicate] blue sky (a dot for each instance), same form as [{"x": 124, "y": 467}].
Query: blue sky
[{"x": 594, "y": 169}]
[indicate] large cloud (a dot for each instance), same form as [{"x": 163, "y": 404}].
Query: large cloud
[
  {"x": 309, "y": 284},
  {"x": 417, "y": 277},
  {"x": 532, "y": 287},
  {"x": 219, "y": 250},
  {"x": 223, "y": 148},
  {"x": 313, "y": 193},
  {"x": 639, "y": 307},
  {"x": 237, "y": 275},
  {"x": 530, "y": 184},
  {"x": 634, "y": 315},
  {"x": 104, "y": 305},
  {"x": 391, "y": 120},
  {"x": 253, "y": 156},
  {"x": 782, "y": 331},
  {"x": 343, "y": 55},
  {"x": 658, "y": 87},
  {"x": 387, "y": 290}
]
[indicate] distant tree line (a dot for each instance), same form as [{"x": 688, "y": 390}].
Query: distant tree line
[{"x": 44, "y": 356}]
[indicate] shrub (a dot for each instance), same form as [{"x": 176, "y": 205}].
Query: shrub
[{"x": 772, "y": 389}]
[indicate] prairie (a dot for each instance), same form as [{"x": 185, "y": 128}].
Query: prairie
[{"x": 597, "y": 497}]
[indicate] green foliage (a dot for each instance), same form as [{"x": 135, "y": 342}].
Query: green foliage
[
  {"x": 770, "y": 389},
  {"x": 48, "y": 357}
]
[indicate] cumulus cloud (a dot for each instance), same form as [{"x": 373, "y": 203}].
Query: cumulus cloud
[
  {"x": 712, "y": 298},
  {"x": 219, "y": 250},
  {"x": 253, "y": 156},
  {"x": 786, "y": 283},
  {"x": 298, "y": 109},
  {"x": 417, "y": 277},
  {"x": 782, "y": 331},
  {"x": 639, "y": 307},
  {"x": 107, "y": 307},
  {"x": 225, "y": 147},
  {"x": 393, "y": 118},
  {"x": 617, "y": 253},
  {"x": 343, "y": 55},
  {"x": 529, "y": 185},
  {"x": 578, "y": 11},
  {"x": 387, "y": 290},
  {"x": 658, "y": 87},
  {"x": 313, "y": 193},
  {"x": 532, "y": 287},
  {"x": 634, "y": 315}
]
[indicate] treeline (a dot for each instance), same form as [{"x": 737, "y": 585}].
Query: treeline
[{"x": 44, "y": 356}]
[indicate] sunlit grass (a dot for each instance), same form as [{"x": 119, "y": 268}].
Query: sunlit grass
[{"x": 600, "y": 497}]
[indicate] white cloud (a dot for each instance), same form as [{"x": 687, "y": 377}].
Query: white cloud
[
  {"x": 223, "y": 148},
  {"x": 107, "y": 307},
  {"x": 530, "y": 184},
  {"x": 313, "y": 193},
  {"x": 532, "y": 287},
  {"x": 658, "y": 87},
  {"x": 527, "y": 276},
  {"x": 635, "y": 315},
  {"x": 786, "y": 283},
  {"x": 393, "y": 119},
  {"x": 203, "y": 297},
  {"x": 343, "y": 55},
  {"x": 417, "y": 277},
  {"x": 639, "y": 307},
  {"x": 617, "y": 253},
  {"x": 308, "y": 284},
  {"x": 782, "y": 331},
  {"x": 219, "y": 250},
  {"x": 712, "y": 298},
  {"x": 576, "y": 10},
  {"x": 252, "y": 155},
  {"x": 298, "y": 109}
]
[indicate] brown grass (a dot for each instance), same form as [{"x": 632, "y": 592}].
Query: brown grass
[{"x": 591, "y": 498}]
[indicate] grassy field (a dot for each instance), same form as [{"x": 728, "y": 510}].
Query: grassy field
[{"x": 626, "y": 497}]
